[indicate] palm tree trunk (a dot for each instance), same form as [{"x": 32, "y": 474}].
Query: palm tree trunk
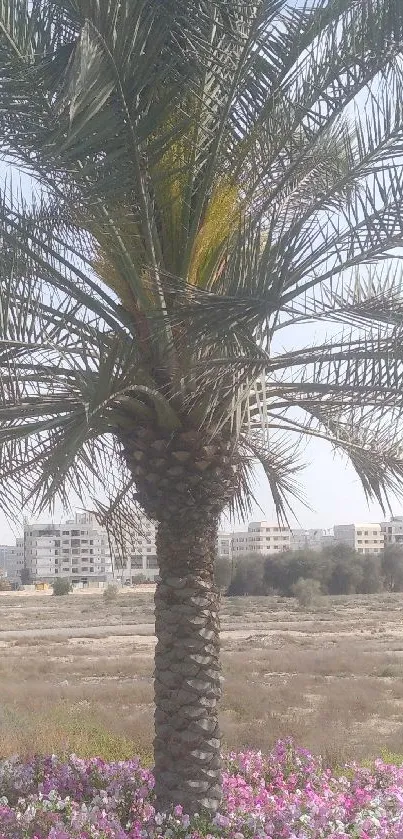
[{"x": 187, "y": 668}]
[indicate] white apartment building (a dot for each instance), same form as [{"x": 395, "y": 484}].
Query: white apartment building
[
  {"x": 77, "y": 549},
  {"x": 392, "y": 531},
  {"x": 314, "y": 539},
  {"x": 142, "y": 553},
  {"x": 224, "y": 545},
  {"x": 261, "y": 538},
  {"x": 12, "y": 560},
  {"x": 363, "y": 538}
]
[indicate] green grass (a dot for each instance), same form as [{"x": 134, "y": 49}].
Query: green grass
[{"x": 65, "y": 731}]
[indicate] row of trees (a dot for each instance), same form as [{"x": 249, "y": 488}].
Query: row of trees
[{"x": 336, "y": 570}]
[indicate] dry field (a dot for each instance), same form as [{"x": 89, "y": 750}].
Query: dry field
[{"x": 76, "y": 674}]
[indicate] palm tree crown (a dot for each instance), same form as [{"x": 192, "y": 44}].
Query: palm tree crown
[{"x": 207, "y": 177}]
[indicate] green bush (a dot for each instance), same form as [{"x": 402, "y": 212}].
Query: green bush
[
  {"x": 138, "y": 579},
  {"x": 307, "y": 592},
  {"x": 61, "y": 586},
  {"x": 222, "y": 572},
  {"x": 392, "y": 567},
  {"x": 110, "y": 593},
  {"x": 336, "y": 570},
  {"x": 25, "y": 575},
  {"x": 248, "y": 577}
]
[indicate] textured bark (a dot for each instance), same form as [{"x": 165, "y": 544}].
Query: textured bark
[
  {"x": 187, "y": 670},
  {"x": 184, "y": 481},
  {"x": 181, "y": 475}
]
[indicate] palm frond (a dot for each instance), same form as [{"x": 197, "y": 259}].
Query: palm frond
[
  {"x": 208, "y": 177},
  {"x": 280, "y": 460}
]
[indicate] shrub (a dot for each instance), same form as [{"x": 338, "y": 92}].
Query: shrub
[
  {"x": 222, "y": 572},
  {"x": 337, "y": 570},
  {"x": 139, "y": 579},
  {"x": 248, "y": 577},
  {"x": 25, "y": 575},
  {"x": 392, "y": 567},
  {"x": 61, "y": 586},
  {"x": 110, "y": 593},
  {"x": 307, "y": 592}
]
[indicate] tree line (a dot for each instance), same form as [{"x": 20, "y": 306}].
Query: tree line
[{"x": 336, "y": 570}]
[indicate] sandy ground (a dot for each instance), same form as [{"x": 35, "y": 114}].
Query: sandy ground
[{"x": 331, "y": 677}]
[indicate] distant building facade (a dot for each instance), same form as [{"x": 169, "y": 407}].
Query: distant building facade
[
  {"x": 141, "y": 560},
  {"x": 12, "y": 560},
  {"x": 393, "y": 531},
  {"x": 224, "y": 545},
  {"x": 363, "y": 538},
  {"x": 314, "y": 539},
  {"x": 261, "y": 538},
  {"x": 78, "y": 549}
]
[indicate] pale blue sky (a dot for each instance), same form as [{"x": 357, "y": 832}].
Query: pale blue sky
[{"x": 332, "y": 489}]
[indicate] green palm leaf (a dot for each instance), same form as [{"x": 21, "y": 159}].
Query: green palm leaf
[{"x": 211, "y": 182}]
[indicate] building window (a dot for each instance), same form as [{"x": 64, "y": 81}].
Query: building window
[
  {"x": 152, "y": 562},
  {"x": 136, "y": 561}
]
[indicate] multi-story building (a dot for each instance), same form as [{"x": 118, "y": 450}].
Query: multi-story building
[
  {"x": 311, "y": 540},
  {"x": 363, "y": 538},
  {"x": 141, "y": 558},
  {"x": 261, "y": 538},
  {"x": 224, "y": 545},
  {"x": 77, "y": 549},
  {"x": 12, "y": 560},
  {"x": 392, "y": 531}
]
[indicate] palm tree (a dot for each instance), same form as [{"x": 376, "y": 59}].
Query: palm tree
[{"x": 207, "y": 179}]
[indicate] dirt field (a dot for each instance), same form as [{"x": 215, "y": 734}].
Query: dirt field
[{"x": 76, "y": 674}]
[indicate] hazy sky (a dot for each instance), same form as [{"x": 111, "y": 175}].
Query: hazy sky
[{"x": 332, "y": 490}]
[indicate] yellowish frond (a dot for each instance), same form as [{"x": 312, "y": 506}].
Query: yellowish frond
[{"x": 220, "y": 221}]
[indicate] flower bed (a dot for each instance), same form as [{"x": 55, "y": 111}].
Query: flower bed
[{"x": 287, "y": 794}]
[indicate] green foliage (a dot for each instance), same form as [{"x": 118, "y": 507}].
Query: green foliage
[
  {"x": 391, "y": 758},
  {"x": 110, "y": 593},
  {"x": 61, "y": 586},
  {"x": 222, "y": 572},
  {"x": 25, "y": 576},
  {"x": 392, "y": 567},
  {"x": 248, "y": 577},
  {"x": 307, "y": 591},
  {"x": 213, "y": 174},
  {"x": 88, "y": 738},
  {"x": 336, "y": 570},
  {"x": 5, "y": 584},
  {"x": 66, "y": 730},
  {"x": 140, "y": 578}
]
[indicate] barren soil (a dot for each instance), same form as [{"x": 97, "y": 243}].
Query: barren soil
[{"x": 76, "y": 674}]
